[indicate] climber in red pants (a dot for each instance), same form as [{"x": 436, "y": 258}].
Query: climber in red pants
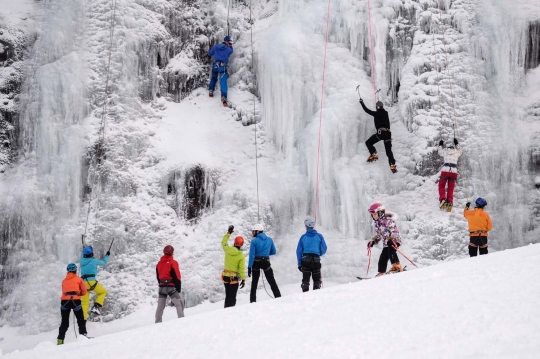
[{"x": 449, "y": 174}]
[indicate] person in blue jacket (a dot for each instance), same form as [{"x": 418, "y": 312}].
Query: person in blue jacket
[
  {"x": 260, "y": 250},
  {"x": 89, "y": 272},
  {"x": 221, "y": 53},
  {"x": 311, "y": 247}
]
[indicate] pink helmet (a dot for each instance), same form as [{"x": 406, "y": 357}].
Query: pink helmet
[{"x": 376, "y": 207}]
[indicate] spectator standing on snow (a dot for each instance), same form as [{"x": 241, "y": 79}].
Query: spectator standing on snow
[
  {"x": 89, "y": 273},
  {"x": 311, "y": 247},
  {"x": 170, "y": 283},
  {"x": 386, "y": 231},
  {"x": 260, "y": 250},
  {"x": 449, "y": 174},
  {"x": 234, "y": 267},
  {"x": 220, "y": 67},
  {"x": 73, "y": 288},
  {"x": 382, "y": 125},
  {"x": 479, "y": 226}
]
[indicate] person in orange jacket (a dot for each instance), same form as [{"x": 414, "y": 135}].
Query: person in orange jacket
[
  {"x": 73, "y": 288},
  {"x": 479, "y": 226}
]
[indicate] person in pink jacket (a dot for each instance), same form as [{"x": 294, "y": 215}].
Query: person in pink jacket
[{"x": 449, "y": 174}]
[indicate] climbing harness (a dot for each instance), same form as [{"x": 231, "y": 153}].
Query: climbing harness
[{"x": 320, "y": 117}]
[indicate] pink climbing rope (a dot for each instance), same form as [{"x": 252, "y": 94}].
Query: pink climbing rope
[
  {"x": 373, "y": 75},
  {"x": 320, "y": 116}
]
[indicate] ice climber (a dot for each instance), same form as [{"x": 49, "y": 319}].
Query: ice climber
[
  {"x": 382, "y": 125},
  {"x": 311, "y": 247},
  {"x": 170, "y": 283},
  {"x": 386, "y": 230},
  {"x": 221, "y": 53},
  {"x": 479, "y": 226},
  {"x": 449, "y": 173},
  {"x": 234, "y": 267},
  {"x": 72, "y": 289},
  {"x": 89, "y": 272},
  {"x": 260, "y": 250}
]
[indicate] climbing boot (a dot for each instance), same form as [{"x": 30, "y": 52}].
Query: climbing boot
[
  {"x": 396, "y": 268},
  {"x": 393, "y": 168},
  {"x": 211, "y": 93},
  {"x": 224, "y": 102},
  {"x": 443, "y": 204},
  {"x": 449, "y": 207},
  {"x": 59, "y": 341},
  {"x": 95, "y": 309},
  {"x": 374, "y": 157}
]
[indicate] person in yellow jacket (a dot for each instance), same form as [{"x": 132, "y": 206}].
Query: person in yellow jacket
[
  {"x": 235, "y": 267},
  {"x": 479, "y": 226}
]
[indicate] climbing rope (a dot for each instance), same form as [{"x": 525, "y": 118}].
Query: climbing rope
[
  {"x": 254, "y": 99},
  {"x": 456, "y": 128},
  {"x": 373, "y": 75},
  {"x": 437, "y": 72},
  {"x": 98, "y": 156},
  {"x": 229, "y": 9},
  {"x": 320, "y": 117}
]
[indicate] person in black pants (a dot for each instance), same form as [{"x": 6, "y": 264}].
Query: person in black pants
[
  {"x": 260, "y": 250},
  {"x": 73, "y": 288},
  {"x": 382, "y": 125},
  {"x": 311, "y": 247}
]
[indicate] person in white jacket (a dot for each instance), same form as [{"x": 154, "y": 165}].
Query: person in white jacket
[{"x": 449, "y": 173}]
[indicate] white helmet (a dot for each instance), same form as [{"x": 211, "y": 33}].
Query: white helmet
[{"x": 258, "y": 227}]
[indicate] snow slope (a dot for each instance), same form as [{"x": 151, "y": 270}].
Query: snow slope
[{"x": 485, "y": 307}]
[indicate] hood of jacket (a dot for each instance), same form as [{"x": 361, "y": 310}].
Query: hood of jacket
[
  {"x": 262, "y": 236},
  {"x": 311, "y": 232}
]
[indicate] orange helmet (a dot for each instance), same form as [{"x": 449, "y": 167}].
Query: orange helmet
[
  {"x": 169, "y": 250},
  {"x": 239, "y": 241}
]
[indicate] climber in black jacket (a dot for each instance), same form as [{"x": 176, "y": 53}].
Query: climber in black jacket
[{"x": 382, "y": 124}]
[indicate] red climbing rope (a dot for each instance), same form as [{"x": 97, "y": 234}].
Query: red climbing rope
[
  {"x": 373, "y": 75},
  {"x": 320, "y": 117}
]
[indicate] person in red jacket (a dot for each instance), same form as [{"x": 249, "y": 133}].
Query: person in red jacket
[
  {"x": 170, "y": 283},
  {"x": 73, "y": 288}
]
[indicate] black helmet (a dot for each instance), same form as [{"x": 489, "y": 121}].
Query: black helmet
[{"x": 379, "y": 104}]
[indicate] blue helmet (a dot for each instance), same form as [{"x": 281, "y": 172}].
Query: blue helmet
[
  {"x": 88, "y": 250},
  {"x": 72, "y": 267},
  {"x": 480, "y": 202},
  {"x": 309, "y": 222},
  {"x": 227, "y": 39}
]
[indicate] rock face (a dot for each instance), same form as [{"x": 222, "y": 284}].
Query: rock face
[{"x": 13, "y": 45}]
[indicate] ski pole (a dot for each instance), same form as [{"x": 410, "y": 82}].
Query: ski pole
[
  {"x": 369, "y": 260},
  {"x": 400, "y": 252}
]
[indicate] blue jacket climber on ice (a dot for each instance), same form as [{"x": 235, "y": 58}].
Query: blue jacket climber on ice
[
  {"x": 221, "y": 53},
  {"x": 312, "y": 242},
  {"x": 261, "y": 246}
]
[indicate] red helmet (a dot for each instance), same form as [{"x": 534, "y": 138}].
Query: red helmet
[
  {"x": 169, "y": 250},
  {"x": 239, "y": 241},
  {"x": 376, "y": 207}
]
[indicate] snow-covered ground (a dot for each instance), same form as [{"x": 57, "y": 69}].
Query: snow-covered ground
[{"x": 485, "y": 307}]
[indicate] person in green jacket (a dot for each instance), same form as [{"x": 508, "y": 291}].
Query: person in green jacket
[{"x": 235, "y": 267}]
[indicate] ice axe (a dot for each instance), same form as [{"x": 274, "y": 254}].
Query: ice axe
[{"x": 111, "y": 245}]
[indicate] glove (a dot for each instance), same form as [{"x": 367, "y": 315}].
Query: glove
[
  {"x": 370, "y": 244},
  {"x": 468, "y": 205},
  {"x": 361, "y": 100},
  {"x": 455, "y": 141},
  {"x": 300, "y": 268},
  {"x": 242, "y": 283},
  {"x": 231, "y": 229},
  {"x": 249, "y": 272},
  {"x": 108, "y": 253},
  {"x": 441, "y": 143}
]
